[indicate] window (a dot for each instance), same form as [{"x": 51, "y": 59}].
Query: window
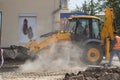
[
  {"x": 27, "y": 27},
  {"x": 95, "y": 28},
  {"x": 72, "y": 25},
  {"x": 83, "y": 27}
]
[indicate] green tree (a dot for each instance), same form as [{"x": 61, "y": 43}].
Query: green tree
[
  {"x": 85, "y": 8},
  {"x": 115, "y": 4},
  {"x": 88, "y": 7}
]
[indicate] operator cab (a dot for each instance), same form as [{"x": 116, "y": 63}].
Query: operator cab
[{"x": 84, "y": 27}]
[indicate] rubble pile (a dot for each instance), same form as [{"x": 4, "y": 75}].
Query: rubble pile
[{"x": 95, "y": 73}]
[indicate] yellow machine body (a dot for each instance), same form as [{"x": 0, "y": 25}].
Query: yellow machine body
[
  {"x": 37, "y": 46},
  {"x": 108, "y": 30}
]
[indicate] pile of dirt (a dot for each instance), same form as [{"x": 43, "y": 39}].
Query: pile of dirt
[{"x": 95, "y": 73}]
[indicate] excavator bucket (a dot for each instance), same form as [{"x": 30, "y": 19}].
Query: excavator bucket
[{"x": 15, "y": 52}]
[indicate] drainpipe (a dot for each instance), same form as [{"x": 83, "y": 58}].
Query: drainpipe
[{"x": 53, "y": 15}]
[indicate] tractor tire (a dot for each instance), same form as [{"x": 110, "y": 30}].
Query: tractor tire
[{"x": 92, "y": 54}]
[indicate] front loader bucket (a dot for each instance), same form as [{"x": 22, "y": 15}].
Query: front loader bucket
[{"x": 14, "y": 52}]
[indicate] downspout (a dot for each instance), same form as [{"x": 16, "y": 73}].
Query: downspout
[{"x": 53, "y": 15}]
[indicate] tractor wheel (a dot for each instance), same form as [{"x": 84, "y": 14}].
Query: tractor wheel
[{"x": 93, "y": 54}]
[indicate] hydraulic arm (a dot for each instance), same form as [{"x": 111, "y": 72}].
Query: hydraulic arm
[{"x": 107, "y": 30}]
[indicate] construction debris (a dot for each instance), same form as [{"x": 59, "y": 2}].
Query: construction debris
[{"x": 95, "y": 73}]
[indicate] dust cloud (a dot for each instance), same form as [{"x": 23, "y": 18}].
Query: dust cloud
[{"x": 59, "y": 56}]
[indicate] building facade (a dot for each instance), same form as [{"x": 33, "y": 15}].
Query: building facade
[{"x": 25, "y": 20}]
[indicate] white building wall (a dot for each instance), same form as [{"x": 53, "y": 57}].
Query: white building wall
[{"x": 11, "y": 10}]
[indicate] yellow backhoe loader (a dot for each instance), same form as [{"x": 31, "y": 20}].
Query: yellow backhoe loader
[
  {"x": 85, "y": 31},
  {"x": 92, "y": 36}
]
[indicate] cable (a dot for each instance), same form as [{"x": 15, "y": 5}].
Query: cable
[{"x": 2, "y": 58}]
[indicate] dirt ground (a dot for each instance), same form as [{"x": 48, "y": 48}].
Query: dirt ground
[
  {"x": 101, "y": 72},
  {"x": 93, "y": 72}
]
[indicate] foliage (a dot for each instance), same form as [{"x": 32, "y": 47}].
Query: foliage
[
  {"x": 115, "y": 4},
  {"x": 100, "y": 5},
  {"x": 92, "y": 7},
  {"x": 88, "y": 7}
]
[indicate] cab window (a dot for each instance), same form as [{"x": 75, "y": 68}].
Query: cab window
[
  {"x": 72, "y": 25},
  {"x": 95, "y": 28},
  {"x": 83, "y": 27}
]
